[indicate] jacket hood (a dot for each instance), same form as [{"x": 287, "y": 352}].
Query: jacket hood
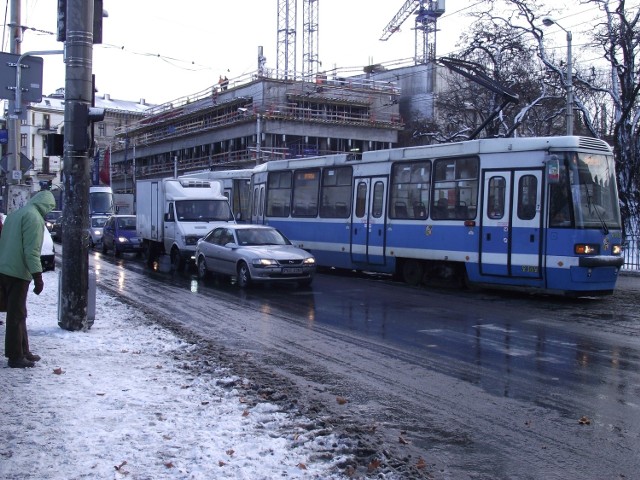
[{"x": 44, "y": 201}]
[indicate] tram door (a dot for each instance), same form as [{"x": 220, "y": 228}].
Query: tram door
[
  {"x": 368, "y": 220},
  {"x": 257, "y": 207},
  {"x": 511, "y": 230}
]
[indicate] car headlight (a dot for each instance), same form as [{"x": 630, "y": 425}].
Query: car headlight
[
  {"x": 309, "y": 261},
  {"x": 123, "y": 239},
  {"x": 264, "y": 262},
  {"x": 97, "y": 232}
]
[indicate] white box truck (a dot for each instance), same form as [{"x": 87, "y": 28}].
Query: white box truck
[{"x": 172, "y": 214}]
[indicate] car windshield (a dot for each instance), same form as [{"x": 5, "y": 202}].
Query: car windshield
[
  {"x": 261, "y": 236},
  {"x": 128, "y": 223},
  {"x": 53, "y": 215},
  {"x": 98, "y": 221}
]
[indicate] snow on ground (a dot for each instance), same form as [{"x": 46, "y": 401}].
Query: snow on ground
[{"x": 119, "y": 401}]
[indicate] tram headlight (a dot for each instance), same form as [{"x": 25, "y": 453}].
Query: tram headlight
[
  {"x": 617, "y": 249},
  {"x": 586, "y": 249}
]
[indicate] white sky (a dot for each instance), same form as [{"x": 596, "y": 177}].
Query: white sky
[
  {"x": 118, "y": 395},
  {"x": 207, "y": 38},
  {"x": 162, "y": 49}
]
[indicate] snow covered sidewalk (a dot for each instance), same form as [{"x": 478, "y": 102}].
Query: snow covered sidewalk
[{"x": 121, "y": 401}]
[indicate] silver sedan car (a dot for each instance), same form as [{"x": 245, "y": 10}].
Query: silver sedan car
[{"x": 253, "y": 253}]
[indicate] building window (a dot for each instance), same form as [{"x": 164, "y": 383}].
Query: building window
[{"x": 24, "y": 139}]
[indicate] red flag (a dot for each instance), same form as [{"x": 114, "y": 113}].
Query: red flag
[{"x": 104, "y": 171}]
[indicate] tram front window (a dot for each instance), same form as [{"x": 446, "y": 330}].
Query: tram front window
[{"x": 594, "y": 191}]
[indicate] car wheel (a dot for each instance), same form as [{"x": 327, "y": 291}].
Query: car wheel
[
  {"x": 244, "y": 277},
  {"x": 202, "y": 268},
  {"x": 116, "y": 251}
]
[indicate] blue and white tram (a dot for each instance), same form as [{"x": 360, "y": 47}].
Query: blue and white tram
[{"x": 528, "y": 213}]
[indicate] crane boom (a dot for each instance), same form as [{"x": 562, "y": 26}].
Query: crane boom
[{"x": 405, "y": 11}]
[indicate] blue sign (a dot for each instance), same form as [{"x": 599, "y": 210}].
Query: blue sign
[{"x": 4, "y": 136}]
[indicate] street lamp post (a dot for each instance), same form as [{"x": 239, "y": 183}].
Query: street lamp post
[{"x": 548, "y": 21}]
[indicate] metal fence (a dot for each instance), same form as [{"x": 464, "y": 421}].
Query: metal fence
[{"x": 632, "y": 253}]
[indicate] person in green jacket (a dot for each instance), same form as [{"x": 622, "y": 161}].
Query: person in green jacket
[{"x": 20, "y": 247}]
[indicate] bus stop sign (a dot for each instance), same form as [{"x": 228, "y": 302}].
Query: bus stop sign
[{"x": 31, "y": 82}]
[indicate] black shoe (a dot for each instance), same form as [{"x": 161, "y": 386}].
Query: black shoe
[
  {"x": 32, "y": 357},
  {"x": 20, "y": 363}
]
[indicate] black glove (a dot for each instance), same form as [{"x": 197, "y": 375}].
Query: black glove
[{"x": 38, "y": 284}]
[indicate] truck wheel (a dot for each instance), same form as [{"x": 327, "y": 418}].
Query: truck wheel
[
  {"x": 176, "y": 260},
  {"x": 244, "y": 277}
]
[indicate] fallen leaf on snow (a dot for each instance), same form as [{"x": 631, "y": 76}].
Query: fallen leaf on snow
[
  {"x": 101, "y": 394},
  {"x": 341, "y": 400},
  {"x": 302, "y": 466},
  {"x": 119, "y": 467},
  {"x": 168, "y": 464},
  {"x": 421, "y": 463},
  {"x": 221, "y": 463},
  {"x": 230, "y": 452},
  {"x": 58, "y": 371},
  {"x": 373, "y": 465},
  {"x": 403, "y": 441},
  {"x": 245, "y": 413},
  {"x": 584, "y": 420}
]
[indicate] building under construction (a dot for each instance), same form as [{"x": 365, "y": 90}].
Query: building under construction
[
  {"x": 283, "y": 113},
  {"x": 256, "y": 119}
]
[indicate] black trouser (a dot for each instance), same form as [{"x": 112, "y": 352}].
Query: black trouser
[{"x": 16, "y": 340}]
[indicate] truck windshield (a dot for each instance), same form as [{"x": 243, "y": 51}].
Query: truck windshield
[
  {"x": 587, "y": 195},
  {"x": 100, "y": 202},
  {"x": 203, "y": 211}
]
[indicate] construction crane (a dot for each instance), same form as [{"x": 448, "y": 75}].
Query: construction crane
[
  {"x": 287, "y": 20},
  {"x": 427, "y": 13},
  {"x": 286, "y": 58}
]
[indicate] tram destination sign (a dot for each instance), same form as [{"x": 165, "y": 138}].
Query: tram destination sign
[{"x": 31, "y": 81}]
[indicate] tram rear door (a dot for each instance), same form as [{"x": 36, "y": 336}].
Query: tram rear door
[
  {"x": 368, "y": 220},
  {"x": 511, "y": 229}
]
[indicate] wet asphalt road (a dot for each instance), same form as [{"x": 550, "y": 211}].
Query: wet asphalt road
[{"x": 479, "y": 384}]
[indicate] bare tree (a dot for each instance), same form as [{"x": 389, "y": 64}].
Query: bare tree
[{"x": 508, "y": 38}]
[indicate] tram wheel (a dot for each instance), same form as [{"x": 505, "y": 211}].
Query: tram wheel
[{"x": 412, "y": 272}]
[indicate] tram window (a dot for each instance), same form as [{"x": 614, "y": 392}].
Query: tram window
[
  {"x": 559, "y": 202},
  {"x": 306, "y": 186},
  {"x": 361, "y": 200},
  {"x": 455, "y": 180},
  {"x": 410, "y": 189},
  {"x": 378, "y": 200},
  {"x": 279, "y": 194},
  {"x": 336, "y": 192},
  {"x": 527, "y": 197},
  {"x": 497, "y": 188},
  {"x": 256, "y": 199}
]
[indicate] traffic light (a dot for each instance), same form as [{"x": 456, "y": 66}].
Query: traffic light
[
  {"x": 62, "y": 21},
  {"x": 83, "y": 117},
  {"x": 55, "y": 145},
  {"x": 98, "y": 13}
]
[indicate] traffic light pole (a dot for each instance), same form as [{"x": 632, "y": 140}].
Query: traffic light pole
[{"x": 74, "y": 282}]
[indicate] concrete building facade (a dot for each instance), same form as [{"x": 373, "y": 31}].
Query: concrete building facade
[{"x": 256, "y": 119}]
